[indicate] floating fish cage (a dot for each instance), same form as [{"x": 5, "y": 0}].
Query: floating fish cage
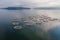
[{"x": 17, "y": 27}]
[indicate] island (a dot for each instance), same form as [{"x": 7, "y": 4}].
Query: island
[{"x": 15, "y": 8}]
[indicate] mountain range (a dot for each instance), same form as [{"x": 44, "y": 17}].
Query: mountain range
[
  {"x": 48, "y": 8},
  {"x": 15, "y": 8},
  {"x": 40, "y": 8}
]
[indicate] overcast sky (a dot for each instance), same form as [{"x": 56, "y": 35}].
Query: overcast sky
[{"x": 30, "y": 3}]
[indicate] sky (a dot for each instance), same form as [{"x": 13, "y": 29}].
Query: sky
[{"x": 30, "y": 3}]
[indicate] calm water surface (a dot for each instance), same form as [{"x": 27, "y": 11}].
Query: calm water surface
[{"x": 45, "y": 31}]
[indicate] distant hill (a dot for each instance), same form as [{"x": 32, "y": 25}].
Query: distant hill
[
  {"x": 15, "y": 8},
  {"x": 40, "y": 8},
  {"x": 48, "y": 8}
]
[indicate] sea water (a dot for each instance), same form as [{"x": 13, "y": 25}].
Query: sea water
[{"x": 44, "y": 31}]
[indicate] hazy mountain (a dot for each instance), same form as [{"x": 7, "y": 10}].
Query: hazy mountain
[
  {"x": 15, "y": 8},
  {"x": 48, "y": 8}
]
